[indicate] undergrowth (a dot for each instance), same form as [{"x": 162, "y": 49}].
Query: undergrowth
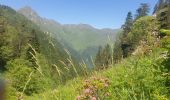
[{"x": 135, "y": 78}]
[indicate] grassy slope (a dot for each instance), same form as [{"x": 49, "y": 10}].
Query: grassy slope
[{"x": 135, "y": 78}]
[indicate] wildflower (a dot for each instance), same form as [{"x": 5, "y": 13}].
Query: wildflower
[
  {"x": 95, "y": 86},
  {"x": 87, "y": 91},
  {"x": 94, "y": 98},
  {"x": 78, "y": 97}
]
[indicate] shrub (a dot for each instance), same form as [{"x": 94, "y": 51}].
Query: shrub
[
  {"x": 24, "y": 78},
  {"x": 94, "y": 89},
  {"x": 164, "y": 32},
  {"x": 138, "y": 79}
]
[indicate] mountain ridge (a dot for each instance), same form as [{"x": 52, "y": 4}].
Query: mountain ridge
[
  {"x": 29, "y": 10},
  {"x": 81, "y": 38}
]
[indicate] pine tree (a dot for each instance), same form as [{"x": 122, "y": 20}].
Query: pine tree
[
  {"x": 117, "y": 52},
  {"x": 2, "y": 43},
  {"x": 162, "y": 11},
  {"x": 107, "y": 55},
  {"x": 98, "y": 59},
  {"x": 103, "y": 57},
  {"x": 159, "y": 5},
  {"x": 128, "y": 24},
  {"x": 124, "y": 46},
  {"x": 142, "y": 11}
]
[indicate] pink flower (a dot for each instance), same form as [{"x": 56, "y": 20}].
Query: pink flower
[
  {"x": 78, "y": 97},
  {"x": 94, "y": 98},
  {"x": 87, "y": 91}
]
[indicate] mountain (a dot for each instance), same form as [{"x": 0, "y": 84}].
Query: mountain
[
  {"x": 77, "y": 37},
  {"x": 25, "y": 49},
  {"x": 142, "y": 74}
]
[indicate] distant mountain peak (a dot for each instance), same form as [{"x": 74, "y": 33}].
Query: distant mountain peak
[
  {"x": 27, "y": 7},
  {"x": 30, "y": 14},
  {"x": 85, "y": 25},
  {"x": 28, "y": 10},
  {"x": 33, "y": 16}
]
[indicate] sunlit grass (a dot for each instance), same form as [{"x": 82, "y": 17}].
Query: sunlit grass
[{"x": 133, "y": 79}]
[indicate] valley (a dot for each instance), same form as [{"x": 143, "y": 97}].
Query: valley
[{"x": 42, "y": 59}]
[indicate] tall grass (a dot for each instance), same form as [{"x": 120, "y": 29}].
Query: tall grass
[{"x": 135, "y": 78}]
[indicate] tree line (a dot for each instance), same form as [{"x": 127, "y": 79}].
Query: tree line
[{"x": 136, "y": 28}]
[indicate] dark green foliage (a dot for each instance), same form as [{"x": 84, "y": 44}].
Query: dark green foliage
[
  {"x": 166, "y": 46},
  {"x": 103, "y": 57},
  {"x": 98, "y": 60},
  {"x": 143, "y": 32},
  {"x": 143, "y": 29},
  {"x": 126, "y": 29},
  {"x": 160, "y": 5},
  {"x": 127, "y": 45},
  {"x": 162, "y": 12},
  {"x": 16, "y": 32},
  {"x": 128, "y": 24},
  {"x": 2, "y": 42},
  {"x": 89, "y": 58},
  {"x": 20, "y": 72},
  {"x": 166, "y": 63},
  {"x": 25, "y": 49},
  {"x": 142, "y": 11},
  {"x": 117, "y": 52}
]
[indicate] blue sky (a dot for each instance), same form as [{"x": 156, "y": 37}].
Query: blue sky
[{"x": 98, "y": 13}]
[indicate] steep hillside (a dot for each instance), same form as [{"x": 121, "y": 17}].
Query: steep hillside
[
  {"x": 145, "y": 76},
  {"x": 26, "y": 51},
  {"x": 162, "y": 12},
  {"x": 36, "y": 68},
  {"x": 136, "y": 78},
  {"x": 19, "y": 25},
  {"x": 80, "y": 37}
]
